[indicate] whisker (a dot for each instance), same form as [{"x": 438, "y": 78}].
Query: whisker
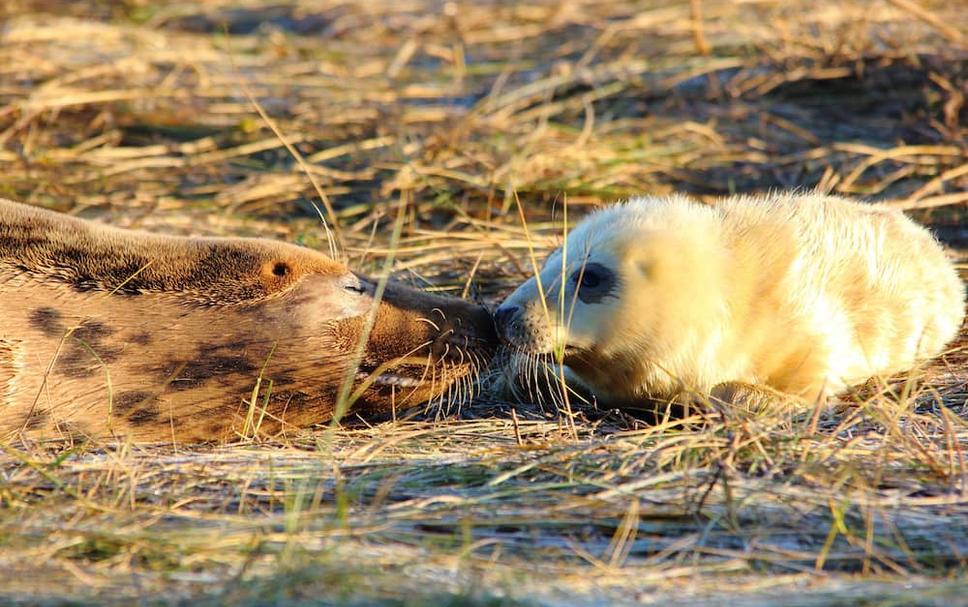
[
  {"x": 423, "y": 377},
  {"x": 429, "y": 322},
  {"x": 532, "y": 377},
  {"x": 552, "y": 388}
]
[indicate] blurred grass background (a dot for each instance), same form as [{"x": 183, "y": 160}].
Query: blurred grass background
[{"x": 245, "y": 117}]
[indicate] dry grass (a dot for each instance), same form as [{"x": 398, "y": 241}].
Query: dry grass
[{"x": 148, "y": 115}]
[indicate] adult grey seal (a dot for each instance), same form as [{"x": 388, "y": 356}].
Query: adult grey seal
[{"x": 109, "y": 332}]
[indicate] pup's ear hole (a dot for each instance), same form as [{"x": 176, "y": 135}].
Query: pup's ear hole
[
  {"x": 634, "y": 258},
  {"x": 645, "y": 267}
]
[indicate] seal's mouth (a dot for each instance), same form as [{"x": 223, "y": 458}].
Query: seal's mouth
[
  {"x": 390, "y": 380},
  {"x": 411, "y": 374}
]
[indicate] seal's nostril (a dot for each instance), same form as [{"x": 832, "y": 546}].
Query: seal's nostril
[{"x": 504, "y": 315}]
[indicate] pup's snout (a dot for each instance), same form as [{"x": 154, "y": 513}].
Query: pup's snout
[
  {"x": 504, "y": 315},
  {"x": 505, "y": 318},
  {"x": 523, "y": 327}
]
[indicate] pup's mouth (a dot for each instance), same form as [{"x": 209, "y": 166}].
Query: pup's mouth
[
  {"x": 516, "y": 336},
  {"x": 569, "y": 352},
  {"x": 574, "y": 352}
]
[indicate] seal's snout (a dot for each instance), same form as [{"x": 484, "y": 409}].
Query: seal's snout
[
  {"x": 465, "y": 326},
  {"x": 458, "y": 332}
]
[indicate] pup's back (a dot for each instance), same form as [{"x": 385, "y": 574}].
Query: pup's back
[{"x": 872, "y": 289}]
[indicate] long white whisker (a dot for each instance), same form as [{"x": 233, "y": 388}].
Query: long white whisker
[{"x": 429, "y": 322}]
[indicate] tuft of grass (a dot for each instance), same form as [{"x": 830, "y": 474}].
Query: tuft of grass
[{"x": 446, "y": 139}]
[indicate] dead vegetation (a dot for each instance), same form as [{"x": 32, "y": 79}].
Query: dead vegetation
[{"x": 242, "y": 117}]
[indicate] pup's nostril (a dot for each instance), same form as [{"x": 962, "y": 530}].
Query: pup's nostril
[{"x": 504, "y": 315}]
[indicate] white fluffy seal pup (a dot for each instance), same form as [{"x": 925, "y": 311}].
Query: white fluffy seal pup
[{"x": 804, "y": 294}]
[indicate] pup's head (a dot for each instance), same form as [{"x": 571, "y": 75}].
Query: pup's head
[{"x": 620, "y": 298}]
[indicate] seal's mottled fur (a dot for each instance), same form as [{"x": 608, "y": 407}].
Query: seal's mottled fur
[{"x": 110, "y": 332}]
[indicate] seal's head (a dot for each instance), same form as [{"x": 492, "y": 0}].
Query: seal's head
[
  {"x": 616, "y": 301},
  {"x": 418, "y": 346}
]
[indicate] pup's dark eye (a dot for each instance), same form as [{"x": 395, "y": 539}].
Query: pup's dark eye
[
  {"x": 589, "y": 278},
  {"x": 594, "y": 282}
]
